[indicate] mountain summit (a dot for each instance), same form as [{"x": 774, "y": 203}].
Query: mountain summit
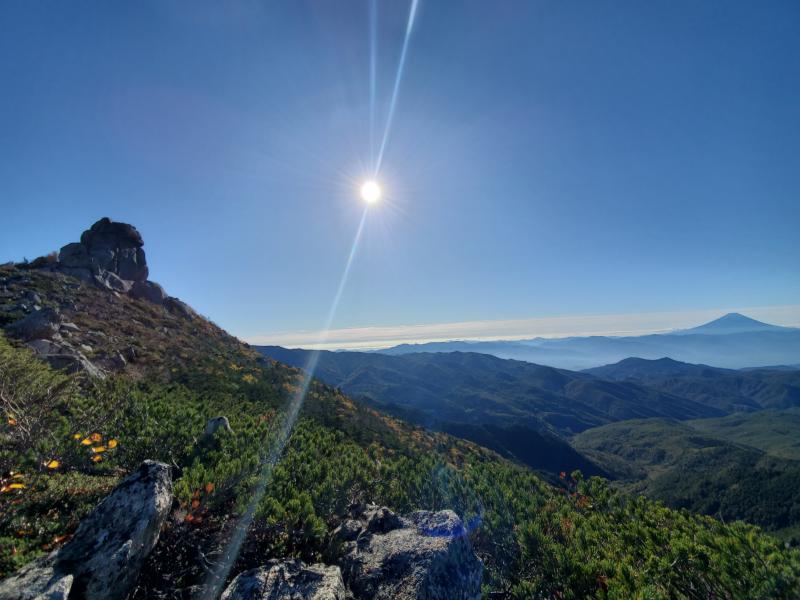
[{"x": 733, "y": 323}]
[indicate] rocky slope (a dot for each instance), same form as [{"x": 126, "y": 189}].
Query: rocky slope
[{"x": 91, "y": 308}]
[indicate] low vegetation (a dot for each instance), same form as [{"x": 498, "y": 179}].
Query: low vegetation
[
  {"x": 580, "y": 539},
  {"x": 677, "y": 464}
]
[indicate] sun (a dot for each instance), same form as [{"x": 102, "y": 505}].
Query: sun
[{"x": 370, "y": 192}]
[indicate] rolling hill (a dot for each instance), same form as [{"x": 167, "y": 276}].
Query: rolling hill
[
  {"x": 776, "y": 432},
  {"x": 726, "y": 389},
  {"x": 674, "y": 462},
  {"x": 513, "y": 407},
  {"x": 476, "y": 388}
]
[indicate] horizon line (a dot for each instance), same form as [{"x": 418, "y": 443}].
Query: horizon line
[{"x": 612, "y": 325}]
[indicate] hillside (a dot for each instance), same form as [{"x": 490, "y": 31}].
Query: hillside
[
  {"x": 776, "y": 432},
  {"x": 726, "y": 389},
  {"x": 479, "y": 388},
  {"x": 512, "y": 407},
  {"x": 675, "y": 463},
  {"x": 140, "y": 376}
]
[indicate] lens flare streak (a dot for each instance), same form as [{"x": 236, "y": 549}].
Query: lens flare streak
[
  {"x": 218, "y": 576},
  {"x": 373, "y": 86},
  {"x": 398, "y": 77}
]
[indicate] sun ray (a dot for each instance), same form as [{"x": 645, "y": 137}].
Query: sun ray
[
  {"x": 398, "y": 77},
  {"x": 218, "y": 576}
]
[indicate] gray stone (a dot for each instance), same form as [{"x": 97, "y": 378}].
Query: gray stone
[
  {"x": 148, "y": 290},
  {"x": 287, "y": 580},
  {"x": 179, "y": 308},
  {"x": 117, "y": 362},
  {"x": 37, "y": 581},
  {"x": 106, "y": 233},
  {"x": 116, "y": 247},
  {"x": 214, "y": 425},
  {"x": 41, "y": 324},
  {"x": 44, "y": 347},
  {"x": 131, "y": 264},
  {"x": 113, "y": 282},
  {"x": 75, "y": 256},
  {"x": 70, "y": 326},
  {"x": 60, "y": 355},
  {"x": 103, "y": 559},
  {"x": 33, "y": 297},
  {"x": 426, "y": 556},
  {"x": 110, "y": 546}
]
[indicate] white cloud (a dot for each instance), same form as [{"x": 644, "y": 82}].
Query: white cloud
[{"x": 354, "y": 338}]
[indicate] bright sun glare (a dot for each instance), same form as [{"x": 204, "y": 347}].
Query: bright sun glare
[{"x": 370, "y": 192}]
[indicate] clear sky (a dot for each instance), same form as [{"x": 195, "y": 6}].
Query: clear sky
[{"x": 547, "y": 158}]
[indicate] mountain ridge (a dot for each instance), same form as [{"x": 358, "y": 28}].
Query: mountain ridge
[{"x": 759, "y": 345}]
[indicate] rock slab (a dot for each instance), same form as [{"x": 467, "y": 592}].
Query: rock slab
[
  {"x": 287, "y": 580},
  {"x": 104, "y": 557},
  {"x": 425, "y": 556}
]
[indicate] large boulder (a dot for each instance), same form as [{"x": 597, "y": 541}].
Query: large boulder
[
  {"x": 104, "y": 557},
  {"x": 110, "y": 252},
  {"x": 148, "y": 290},
  {"x": 116, "y": 247},
  {"x": 287, "y": 580},
  {"x": 214, "y": 424},
  {"x": 425, "y": 556},
  {"x": 40, "y": 324},
  {"x": 38, "y": 580},
  {"x": 61, "y": 355},
  {"x": 111, "y": 544}
]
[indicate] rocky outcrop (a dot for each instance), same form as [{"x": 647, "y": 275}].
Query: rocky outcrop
[
  {"x": 148, "y": 290},
  {"x": 42, "y": 331},
  {"x": 111, "y": 255},
  {"x": 424, "y": 556},
  {"x": 287, "y": 580},
  {"x": 38, "y": 325},
  {"x": 103, "y": 559},
  {"x": 109, "y": 251},
  {"x": 61, "y": 354}
]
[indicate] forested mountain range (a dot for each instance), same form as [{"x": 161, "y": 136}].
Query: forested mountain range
[{"x": 637, "y": 421}]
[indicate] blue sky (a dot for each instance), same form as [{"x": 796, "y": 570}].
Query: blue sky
[{"x": 546, "y": 158}]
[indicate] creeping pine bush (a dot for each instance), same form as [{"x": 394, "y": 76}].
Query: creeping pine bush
[{"x": 64, "y": 444}]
